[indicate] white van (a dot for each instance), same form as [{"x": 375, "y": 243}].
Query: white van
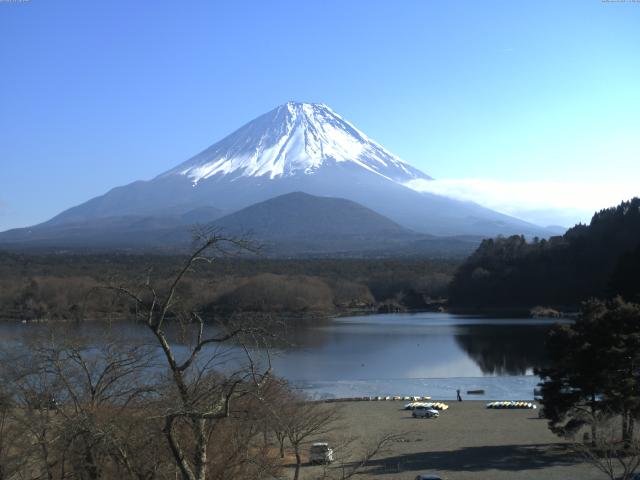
[
  {"x": 320, "y": 453},
  {"x": 424, "y": 412}
]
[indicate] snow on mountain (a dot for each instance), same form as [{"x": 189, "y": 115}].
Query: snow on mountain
[
  {"x": 297, "y": 147},
  {"x": 295, "y": 138}
]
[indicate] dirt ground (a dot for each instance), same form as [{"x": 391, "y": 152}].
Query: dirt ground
[{"x": 466, "y": 442}]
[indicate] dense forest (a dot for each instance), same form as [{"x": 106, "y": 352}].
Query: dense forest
[
  {"x": 70, "y": 287},
  {"x": 601, "y": 259}
]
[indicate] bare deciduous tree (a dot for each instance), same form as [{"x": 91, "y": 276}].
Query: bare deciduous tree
[
  {"x": 12, "y": 438},
  {"x": 76, "y": 400},
  {"x": 352, "y": 458},
  {"x": 615, "y": 457},
  {"x": 32, "y": 396},
  {"x": 304, "y": 421},
  {"x": 201, "y": 395},
  {"x": 190, "y": 403}
]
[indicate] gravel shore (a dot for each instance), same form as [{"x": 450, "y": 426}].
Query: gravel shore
[{"x": 466, "y": 442}]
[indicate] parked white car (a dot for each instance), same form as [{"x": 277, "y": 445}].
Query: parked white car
[
  {"x": 424, "y": 412},
  {"x": 320, "y": 452}
]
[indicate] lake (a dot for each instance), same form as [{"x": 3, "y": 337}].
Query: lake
[
  {"x": 395, "y": 354},
  {"x": 417, "y": 354}
]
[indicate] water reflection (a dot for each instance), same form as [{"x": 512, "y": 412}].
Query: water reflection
[
  {"x": 426, "y": 345},
  {"x": 378, "y": 347},
  {"x": 516, "y": 350}
]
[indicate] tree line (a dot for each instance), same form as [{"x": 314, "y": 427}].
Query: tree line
[
  {"x": 596, "y": 260},
  {"x": 66, "y": 287}
]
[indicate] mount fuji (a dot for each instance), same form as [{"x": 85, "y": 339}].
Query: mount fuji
[{"x": 297, "y": 147}]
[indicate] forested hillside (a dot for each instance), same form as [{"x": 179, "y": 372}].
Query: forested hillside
[{"x": 601, "y": 259}]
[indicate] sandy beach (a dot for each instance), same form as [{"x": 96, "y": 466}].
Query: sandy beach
[{"x": 466, "y": 442}]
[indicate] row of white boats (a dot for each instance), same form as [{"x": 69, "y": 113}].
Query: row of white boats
[
  {"x": 424, "y": 402},
  {"x": 511, "y": 404},
  {"x": 376, "y": 399},
  {"x": 433, "y": 405}
]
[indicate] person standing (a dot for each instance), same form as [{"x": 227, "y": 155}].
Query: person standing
[{"x": 458, "y": 394}]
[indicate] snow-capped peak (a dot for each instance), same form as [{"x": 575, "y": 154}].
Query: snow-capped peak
[{"x": 295, "y": 138}]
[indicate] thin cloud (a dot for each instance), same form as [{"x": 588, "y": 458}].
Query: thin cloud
[{"x": 541, "y": 202}]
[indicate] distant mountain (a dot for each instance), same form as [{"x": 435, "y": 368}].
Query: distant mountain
[
  {"x": 119, "y": 232},
  {"x": 291, "y": 225},
  {"x": 297, "y": 147},
  {"x": 300, "y": 215},
  {"x": 302, "y": 224}
]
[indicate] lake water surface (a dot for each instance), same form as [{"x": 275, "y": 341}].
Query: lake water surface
[
  {"x": 396, "y": 354},
  {"x": 418, "y": 354}
]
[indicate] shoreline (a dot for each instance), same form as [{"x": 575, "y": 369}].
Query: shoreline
[
  {"x": 495, "y": 388},
  {"x": 523, "y": 313}
]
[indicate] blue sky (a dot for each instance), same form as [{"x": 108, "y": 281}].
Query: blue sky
[{"x": 528, "y": 107}]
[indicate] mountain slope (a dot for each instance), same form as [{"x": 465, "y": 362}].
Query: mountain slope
[
  {"x": 292, "y": 139},
  {"x": 121, "y": 232},
  {"x": 302, "y": 215},
  {"x": 297, "y": 147},
  {"x": 292, "y": 225},
  {"x": 301, "y": 224}
]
